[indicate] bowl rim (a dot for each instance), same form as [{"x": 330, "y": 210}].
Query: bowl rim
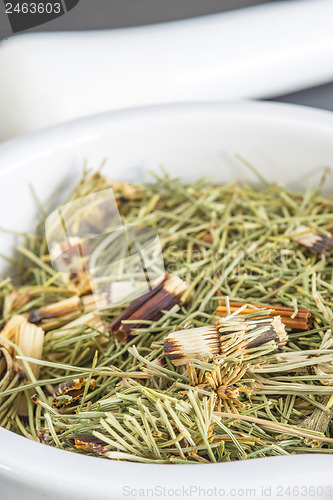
[{"x": 13, "y": 152}]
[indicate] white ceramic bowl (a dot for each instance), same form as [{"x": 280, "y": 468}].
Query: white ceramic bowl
[{"x": 290, "y": 145}]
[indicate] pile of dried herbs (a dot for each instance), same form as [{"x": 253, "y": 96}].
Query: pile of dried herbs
[{"x": 104, "y": 383}]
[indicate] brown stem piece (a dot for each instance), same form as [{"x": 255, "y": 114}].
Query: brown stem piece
[
  {"x": 69, "y": 308},
  {"x": 302, "y": 320},
  {"x": 148, "y": 307}
]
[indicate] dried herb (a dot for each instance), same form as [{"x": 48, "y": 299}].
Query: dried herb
[
  {"x": 104, "y": 384},
  {"x": 299, "y": 319}
]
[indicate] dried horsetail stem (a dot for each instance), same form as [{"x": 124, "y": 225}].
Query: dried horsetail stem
[
  {"x": 6, "y": 361},
  {"x": 237, "y": 336},
  {"x": 230, "y": 336},
  {"x": 90, "y": 444},
  {"x": 183, "y": 345},
  {"x": 212, "y": 219},
  {"x": 301, "y": 321},
  {"x": 133, "y": 307},
  {"x": 11, "y": 329},
  {"x": 65, "y": 310},
  {"x": 15, "y": 301},
  {"x": 30, "y": 340},
  {"x": 312, "y": 239},
  {"x": 71, "y": 391},
  {"x": 318, "y": 421},
  {"x": 148, "y": 307},
  {"x": 90, "y": 320}
]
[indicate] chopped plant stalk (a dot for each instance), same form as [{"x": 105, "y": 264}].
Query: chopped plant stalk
[
  {"x": 296, "y": 320},
  {"x": 236, "y": 335},
  {"x": 30, "y": 340},
  {"x": 312, "y": 239},
  {"x": 148, "y": 307},
  {"x": 15, "y": 301},
  {"x": 318, "y": 421},
  {"x": 67, "y": 309},
  {"x": 11, "y": 330},
  {"x": 71, "y": 391}
]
